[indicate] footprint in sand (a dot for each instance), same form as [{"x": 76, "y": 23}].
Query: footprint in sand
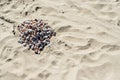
[
  {"x": 118, "y": 23},
  {"x": 8, "y": 60},
  {"x": 6, "y": 51},
  {"x": 44, "y": 75},
  {"x": 64, "y": 28},
  {"x": 24, "y": 75},
  {"x": 111, "y": 47}
]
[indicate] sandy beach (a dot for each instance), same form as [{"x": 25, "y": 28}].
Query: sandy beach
[{"x": 86, "y": 47}]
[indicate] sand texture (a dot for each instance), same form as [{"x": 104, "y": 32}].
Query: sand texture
[{"x": 86, "y": 47}]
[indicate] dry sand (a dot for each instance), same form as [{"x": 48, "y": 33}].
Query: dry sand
[{"x": 87, "y": 45}]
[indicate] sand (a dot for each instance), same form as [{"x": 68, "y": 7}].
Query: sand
[{"x": 86, "y": 47}]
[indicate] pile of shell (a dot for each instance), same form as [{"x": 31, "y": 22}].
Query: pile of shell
[{"x": 35, "y": 34}]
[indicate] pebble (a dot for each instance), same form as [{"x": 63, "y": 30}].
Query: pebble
[{"x": 36, "y": 34}]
